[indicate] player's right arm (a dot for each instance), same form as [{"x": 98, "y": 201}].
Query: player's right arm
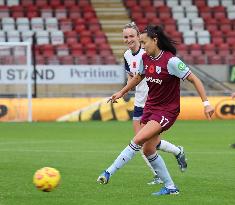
[
  {"x": 135, "y": 80},
  {"x": 129, "y": 77}
]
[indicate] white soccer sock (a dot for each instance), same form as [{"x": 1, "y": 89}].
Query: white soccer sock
[
  {"x": 160, "y": 168},
  {"x": 168, "y": 147},
  {"x": 147, "y": 162},
  {"x": 127, "y": 154}
]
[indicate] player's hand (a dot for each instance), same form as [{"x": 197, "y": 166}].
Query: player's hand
[
  {"x": 209, "y": 111},
  {"x": 114, "y": 97},
  {"x": 233, "y": 95}
]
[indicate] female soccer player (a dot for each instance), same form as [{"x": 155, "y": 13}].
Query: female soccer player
[
  {"x": 132, "y": 59},
  {"x": 163, "y": 71}
]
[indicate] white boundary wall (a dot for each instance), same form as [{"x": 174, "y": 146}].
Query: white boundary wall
[{"x": 65, "y": 74}]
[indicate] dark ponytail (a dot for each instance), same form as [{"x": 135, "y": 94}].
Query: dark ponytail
[{"x": 163, "y": 41}]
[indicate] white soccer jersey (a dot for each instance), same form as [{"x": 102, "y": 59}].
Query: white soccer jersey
[{"x": 132, "y": 63}]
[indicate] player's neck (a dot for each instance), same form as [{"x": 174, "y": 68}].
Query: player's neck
[
  {"x": 157, "y": 52},
  {"x": 136, "y": 49}
]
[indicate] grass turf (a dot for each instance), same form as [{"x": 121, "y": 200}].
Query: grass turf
[{"x": 81, "y": 151}]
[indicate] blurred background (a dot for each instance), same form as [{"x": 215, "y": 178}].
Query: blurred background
[
  {"x": 60, "y": 60},
  {"x": 76, "y": 47}
]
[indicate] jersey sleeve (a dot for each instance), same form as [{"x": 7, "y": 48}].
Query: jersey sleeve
[
  {"x": 127, "y": 68},
  {"x": 141, "y": 70},
  {"x": 178, "y": 68}
]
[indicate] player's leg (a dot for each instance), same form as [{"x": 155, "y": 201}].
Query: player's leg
[
  {"x": 157, "y": 162},
  {"x": 177, "y": 151},
  {"x": 168, "y": 147},
  {"x": 127, "y": 154},
  {"x": 137, "y": 113},
  {"x": 156, "y": 179},
  {"x": 130, "y": 151}
]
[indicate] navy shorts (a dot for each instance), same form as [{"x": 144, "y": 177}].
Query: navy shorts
[{"x": 137, "y": 113}]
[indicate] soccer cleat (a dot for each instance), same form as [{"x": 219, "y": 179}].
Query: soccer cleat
[
  {"x": 104, "y": 178},
  {"x": 233, "y": 145},
  {"x": 156, "y": 180},
  {"x": 181, "y": 159},
  {"x": 166, "y": 191}
]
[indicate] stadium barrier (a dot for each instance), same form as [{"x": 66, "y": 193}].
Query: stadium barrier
[{"x": 85, "y": 109}]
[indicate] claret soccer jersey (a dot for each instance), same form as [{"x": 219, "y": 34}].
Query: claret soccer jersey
[{"x": 163, "y": 74}]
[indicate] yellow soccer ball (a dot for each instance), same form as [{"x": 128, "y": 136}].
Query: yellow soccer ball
[{"x": 46, "y": 179}]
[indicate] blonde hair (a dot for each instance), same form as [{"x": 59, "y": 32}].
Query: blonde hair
[{"x": 133, "y": 26}]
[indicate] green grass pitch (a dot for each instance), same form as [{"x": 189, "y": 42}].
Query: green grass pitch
[{"x": 81, "y": 151}]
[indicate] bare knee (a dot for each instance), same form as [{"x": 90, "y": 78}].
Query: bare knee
[{"x": 149, "y": 150}]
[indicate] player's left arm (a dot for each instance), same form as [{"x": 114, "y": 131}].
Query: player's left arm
[
  {"x": 208, "y": 109},
  {"x": 179, "y": 69},
  {"x": 233, "y": 95}
]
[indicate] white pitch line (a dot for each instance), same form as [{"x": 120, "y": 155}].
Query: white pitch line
[
  {"x": 36, "y": 142},
  {"x": 97, "y": 151}
]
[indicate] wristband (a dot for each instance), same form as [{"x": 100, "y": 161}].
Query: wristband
[{"x": 206, "y": 103}]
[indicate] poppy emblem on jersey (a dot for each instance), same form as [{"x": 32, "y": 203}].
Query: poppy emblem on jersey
[
  {"x": 134, "y": 64},
  {"x": 151, "y": 69},
  {"x": 158, "y": 69},
  {"x": 181, "y": 66}
]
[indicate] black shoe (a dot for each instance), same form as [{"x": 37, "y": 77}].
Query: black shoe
[{"x": 181, "y": 160}]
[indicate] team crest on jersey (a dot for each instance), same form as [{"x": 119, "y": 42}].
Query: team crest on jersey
[{"x": 158, "y": 69}]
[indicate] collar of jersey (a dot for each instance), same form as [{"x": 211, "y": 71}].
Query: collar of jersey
[
  {"x": 134, "y": 54},
  {"x": 158, "y": 56}
]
